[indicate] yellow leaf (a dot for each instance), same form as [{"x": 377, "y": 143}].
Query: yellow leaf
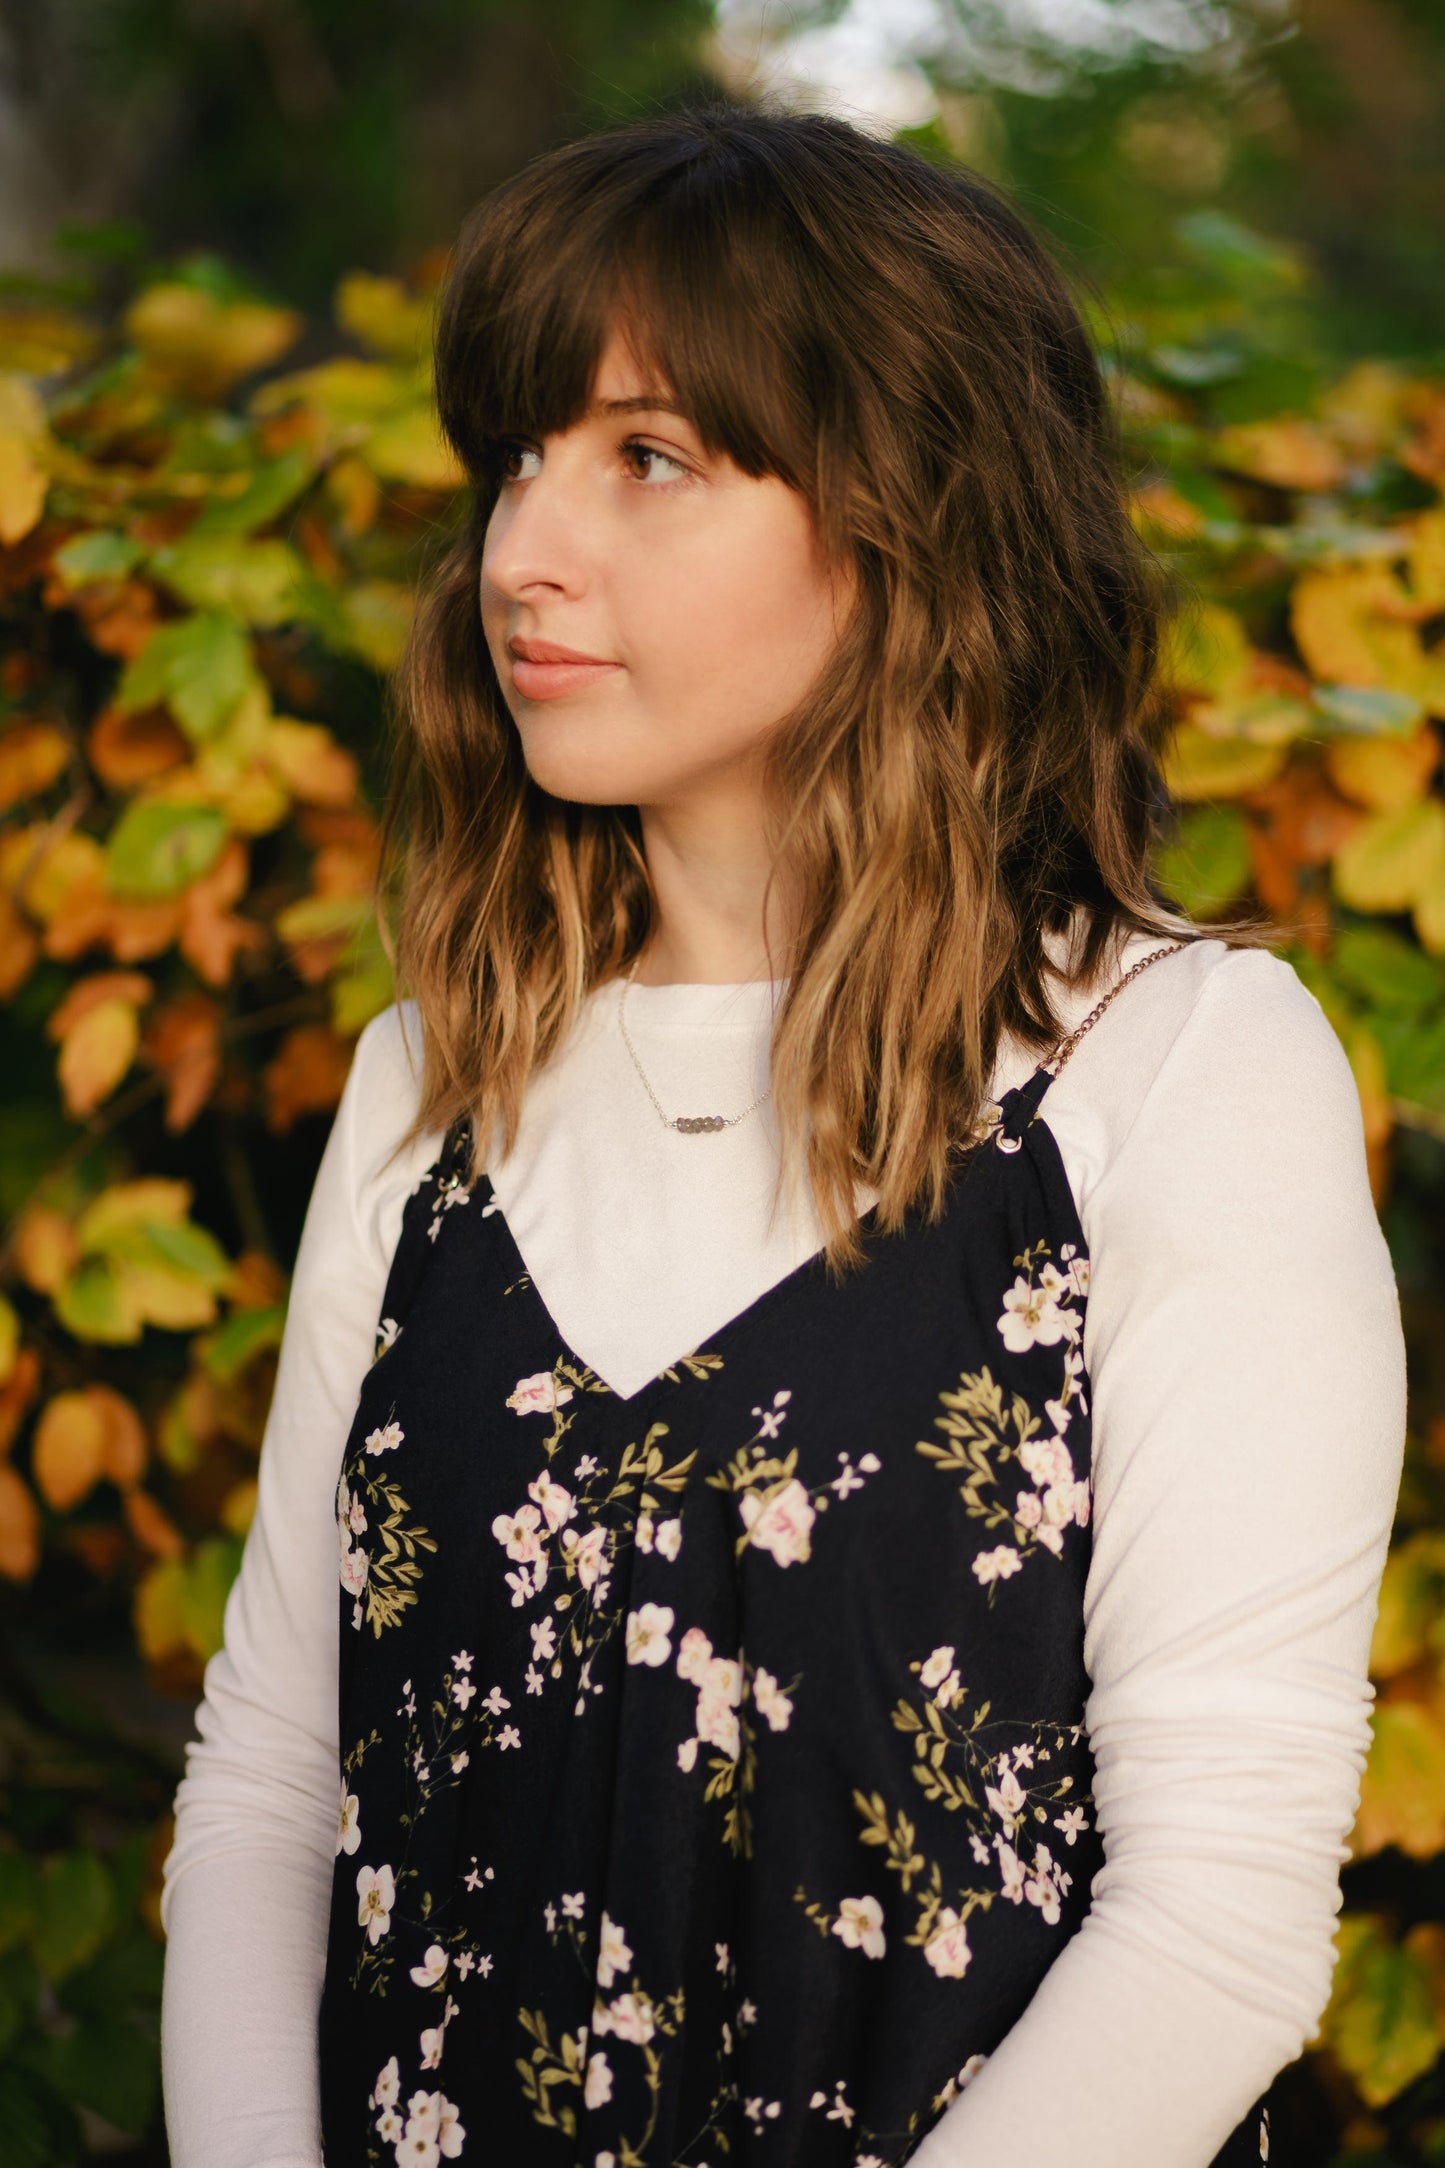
[
  {"x": 409, "y": 447},
  {"x": 19, "y": 1527},
  {"x": 1199, "y": 765},
  {"x": 1402, "y": 1791},
  {"x": 380, "y": 614},
  {"x": 23, "y": 484},
  {"x": 160, "y": 1610},
  {"x": 68, "y": 1455},
  {"x": 1392, "y": 858},
  {"x": 174, "y": 1300},
  {"x": 1430, "y": 913},
  {"x": 381, "y": 313},
  {"x": 61, "y": 863},
  {"x": 1386, "y": 773},
  {"x": 9, "y": 1340},
  {"x": 1205, "y": 650},
  {"x": 1412, "y": 1599},
  {"x": 117, "y": 1211},
  {"x": 1365, "y": 408},
  {"x": 32, "y": 755},
  {"x": 1286, "y": 451},
  {"x": 96, "y": 1053},
  {"x": 195, "y": 343},
  {"x": 125, "y": 1449},
  {"x": 1380, "y": 2021},
  {"x": 238, "y": 1508},
  {"x": 1352, "y": 626},
  {"x": 1427, "y": 557},
  {"x": 310, "y": 763}
]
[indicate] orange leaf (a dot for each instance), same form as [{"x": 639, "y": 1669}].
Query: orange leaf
[
  {"x": 119, "y": 616},
  {"x": 182, "y": 1040},
  {"x": 153, "y": 1529},
  {"x": 46, "y": 1251},
  {"x": 125, "y": 1449},
  {"x": 310, "y": 762},
  {"x": 68, "y": 1456},
  {"x": 126, "y": 749},
  {"x": 306, "y": 1074},
  {"x": 17, "y": 1393},
  {"x": 32, "y": 755},
  {"x": 255, "y": 1282},
  {"x": 96, "y": 1054},
  {"x": 1290, "y": 453},
  {"x": 19, "y": 1527}
]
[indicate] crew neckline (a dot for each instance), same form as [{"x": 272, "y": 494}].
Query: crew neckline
[{"x": 738, "y": 1004}]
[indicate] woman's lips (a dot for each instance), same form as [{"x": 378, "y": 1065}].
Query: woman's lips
[{"x": 545, "y": 680}]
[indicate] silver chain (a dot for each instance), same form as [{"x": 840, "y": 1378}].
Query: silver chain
[
  {"x": 1061, "y": 1053},
  {"x": 688, "y": 1124}
]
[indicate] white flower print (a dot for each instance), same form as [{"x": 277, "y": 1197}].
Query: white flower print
[
  {"x": 462, "y": 1661},
  {"x": 517, "y": 1532},
  {"x": 1031, "y": 1316},
  {"x": 1047, "y": 1461},
  {"x": 613, "y": 1954},
  {"x": 599, "y": 2080},
  {"x": 431, "y": 2046},
  {"x": 1071, "y": 1823},
  {"x": 1008, "y": 1798},
  {"x": 386, "y": 1439},
  {"x": 772, "y": 1704},
  {"x": 586, "y": 1553},
  {"x": 388, "y": 2086},
  {"x": 947, "y": 1947},
  {"x": 859, "y": 1925},
  {"x": 669, "y": 1537},
  {"x": 1011, "y": 1870},
  {"x": 348, "y": 1828},
  {"x": 554, "y": 1498},
  {"x": 376, "y": 1894},
  {"x": 997, "y": 1565},
  {"x": 694, "y": 1653},
  {"x": 544, "y": 1640},
  {"x": 538, "y": 1394},
  {"x": 462, "y": 1692},
  {"x": 389, "y": 2125},
  {"x": 643, "y": 1533},
  {"x": 431, "y": 1968},
  {"x": 630, "y": 2017},
  {"x": 1041, "y": 1888},
  {"x": 648, "y": 1630},
  {"x": 433, "y": 2129},
  {"x": 387, "y": 1331},
  {"x": 937, "y": 1668},
  {"x": 508, "y": 1736},
  {"x": 780, "y": 1523},
  {"x": 687, "y": 1755}
]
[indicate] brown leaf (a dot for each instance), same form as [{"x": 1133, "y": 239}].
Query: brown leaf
[
  {"x": 68, "y": 1454},
  {"x": 125, "y": 1449},
  {"x": 19, "y": 1527},
  {"x": 16, "y": 1394},
  {"x": 183, "y": 1041},
  {"x": 87, "y": 994},
  {"x": 256, "y": 1282},
  {"x": 306, "y": 1074},
  {"x": 126, "y": 749},
  {"x": 153, "y": 1528},
  {"x": 46, "y": 1251},
  {"x": 32, "y": 755}
]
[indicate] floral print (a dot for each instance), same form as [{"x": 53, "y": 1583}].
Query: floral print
[{"x": 683, "y": 1713}]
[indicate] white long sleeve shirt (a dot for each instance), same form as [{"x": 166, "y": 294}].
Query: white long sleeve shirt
[{"x": 1244, "y": 1345}]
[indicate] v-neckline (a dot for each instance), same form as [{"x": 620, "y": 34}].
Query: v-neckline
[{"x": 761, "y": 1303}]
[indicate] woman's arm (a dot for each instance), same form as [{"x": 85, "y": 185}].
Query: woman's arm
[
  {"x": 1244, "y": 1343},
  {"x": 248, "y": 1880}
]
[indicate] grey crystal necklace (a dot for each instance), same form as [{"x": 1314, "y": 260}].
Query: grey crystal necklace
[{"x": 691, "y": 1125}]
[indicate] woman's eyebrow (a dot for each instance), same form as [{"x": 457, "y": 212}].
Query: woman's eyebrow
[{"x": 641, "y": 403}]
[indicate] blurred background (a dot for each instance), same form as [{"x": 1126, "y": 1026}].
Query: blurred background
[{"x": 221, "y": 227}]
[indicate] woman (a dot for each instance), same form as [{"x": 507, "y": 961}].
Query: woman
[{"x": 866, "y": 1383}]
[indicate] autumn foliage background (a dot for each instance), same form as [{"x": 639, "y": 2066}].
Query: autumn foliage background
[{"x": 214, "y": 510}]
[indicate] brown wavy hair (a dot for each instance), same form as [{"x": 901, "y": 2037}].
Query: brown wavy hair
[{"x": 975, "y": 766}]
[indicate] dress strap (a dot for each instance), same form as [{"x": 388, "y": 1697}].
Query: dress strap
[{"x": 1020, "y": 1106}]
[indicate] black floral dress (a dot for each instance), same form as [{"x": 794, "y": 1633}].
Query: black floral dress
[{"x": 714, "y": 1786}]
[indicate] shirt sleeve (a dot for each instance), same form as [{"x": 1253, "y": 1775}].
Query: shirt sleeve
[
  {"x": 1244, "y": 1345},
  {"x": 247, "y": 1884}
]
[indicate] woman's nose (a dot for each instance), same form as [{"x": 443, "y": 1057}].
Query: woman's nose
[{"x": 538, "y": 535}]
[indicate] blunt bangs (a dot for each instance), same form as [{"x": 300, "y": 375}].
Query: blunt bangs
[{"x": 682, "y": 250}]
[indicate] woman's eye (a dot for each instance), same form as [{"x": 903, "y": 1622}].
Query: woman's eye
[
  {"x": 509, "y": 451},
  {"x": 636, "y": 450}
]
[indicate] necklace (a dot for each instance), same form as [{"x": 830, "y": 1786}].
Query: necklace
[{"x": 690, "y": 1125}]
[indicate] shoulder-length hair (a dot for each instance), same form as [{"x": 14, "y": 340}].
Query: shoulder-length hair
[{"x": 975, "y": 767}]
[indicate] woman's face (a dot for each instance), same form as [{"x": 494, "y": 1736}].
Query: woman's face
[{"x": 698, "y": 590}]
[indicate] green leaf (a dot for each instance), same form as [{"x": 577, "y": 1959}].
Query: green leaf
[
  {"x": 201, "y": 667},
  {"x": 1381, "y": 2016},
  {"x": 272, "y": 485},
  {"x": 255, "y": 581},
  {"x": 184, "y": 1247},
  {"x": 93, "y": 1304},
  {"x": 209, "y": 1576},
  {"x": 1367, "y": 711},
  {"x": 1392, "y": 858},
  {"x": 19, "y": 1898},
  {"x": 226, "y": 1351},
  {"x": 106, "y": 2065},
  {"x": 1386, "y": 970},
  {"x": 1205, "y": 865},
  {"x": 76, "y": 1912},
  {"x": 158, "y": 847},
  {"x": 40, "y": 2131},
  {"x": 103, "y": 555}
]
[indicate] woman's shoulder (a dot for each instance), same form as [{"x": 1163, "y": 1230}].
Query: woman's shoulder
[
  {"x": 378, "y": 1104},
  {"x": 1213, "y": 1053}
]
